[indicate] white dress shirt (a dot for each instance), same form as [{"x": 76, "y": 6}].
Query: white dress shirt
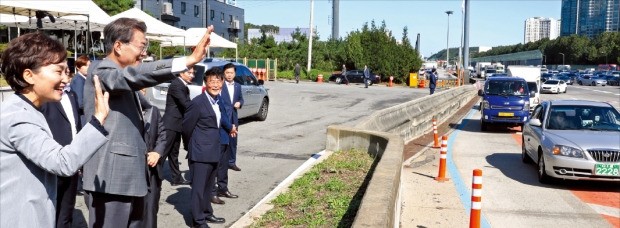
[
  {"x": 231, "y": 90},
  {"x": 68, "y": 108},
  {"x": 216, "y": 108}
]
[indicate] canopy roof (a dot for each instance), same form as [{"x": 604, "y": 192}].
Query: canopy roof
[
  {"x": 194, "y": 35},
  {"x": 155, "y": 29},
  {"x": 75, "y": 15}
]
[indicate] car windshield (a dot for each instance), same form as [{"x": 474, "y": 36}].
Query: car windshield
[
  {"x": 491, "y": 71},
  {"x": 552, "y": 82},
  {"x": 505, "y": 87},
  {"x": 579, "y": 117}
]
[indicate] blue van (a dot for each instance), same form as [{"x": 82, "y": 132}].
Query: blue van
[{"x": 505, "y": 100}]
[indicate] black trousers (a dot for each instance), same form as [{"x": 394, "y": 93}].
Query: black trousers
[
  {"x": 151, "y": 200},
  {"x": 65, "y": 200},
  {"x": 203, "y": 177},
  {"x": 113, "y": 211},
  {"x": 233, "y": 150},
  {"x": 222, "y": 170},
  {"x": 174, "y": 142},
  {"x": 432, "y": 90}
]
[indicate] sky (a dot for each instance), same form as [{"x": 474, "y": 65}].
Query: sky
[{"x": 491, "y": 23}]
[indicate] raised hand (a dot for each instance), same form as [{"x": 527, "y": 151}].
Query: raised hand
[
  {"x": 201, "y": 48},
  {"x": 102, "y": 108}
]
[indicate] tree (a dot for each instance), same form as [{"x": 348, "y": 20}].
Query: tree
[{"x": 113, "y": 7}]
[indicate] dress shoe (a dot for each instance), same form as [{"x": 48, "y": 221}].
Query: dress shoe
[
  {"x": 201, "y": 226},
  {"x": 213, "y": 219},
  {"x": 227, "y": 194},
  {"x": 180, "y": 182},
  {"x": 234, "y": 167},
  {"x": 217, "y": 200}
]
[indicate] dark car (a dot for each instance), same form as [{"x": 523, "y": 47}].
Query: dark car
[
  {"x": 546, "y": 76},
  {"x": 613, "y": 80},
  {"x": 567, "y": 79},
  {"x": 354, "y": 76}
]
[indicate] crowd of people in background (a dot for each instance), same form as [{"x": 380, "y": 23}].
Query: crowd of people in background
[{"x": 99, "y": 127}]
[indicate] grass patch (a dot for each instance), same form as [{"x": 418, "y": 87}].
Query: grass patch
[{"x": 328, "y": 195}]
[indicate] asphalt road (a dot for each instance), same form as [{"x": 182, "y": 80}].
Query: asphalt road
[
  {"x": 609, "y": 94},
  {"x": 271, "y": 150}
]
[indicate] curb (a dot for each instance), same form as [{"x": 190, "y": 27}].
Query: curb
[{"x": 264, "y": 204}]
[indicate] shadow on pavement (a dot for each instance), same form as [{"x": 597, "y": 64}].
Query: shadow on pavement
[
  {"x": 181, "y": 202},
  {"x": 511, "y": 166},
  {"x": 473, "y": 125}
]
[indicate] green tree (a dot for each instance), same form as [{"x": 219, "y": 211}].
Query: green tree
[{"x": 113, "y": 7}]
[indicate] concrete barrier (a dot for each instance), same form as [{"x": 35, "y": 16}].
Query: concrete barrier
[{"x": 383, "y": 135}]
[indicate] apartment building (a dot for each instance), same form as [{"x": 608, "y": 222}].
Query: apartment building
[
  {"x": 537, "y": 28},
  {"x": 590, "y": 17}
]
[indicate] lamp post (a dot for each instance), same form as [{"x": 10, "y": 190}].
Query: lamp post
[
  {"x": 602, "y": 52},
  {"x": 448, "y": 39},
  {"x": 544, "y": 60},
  {"x": 562, "y": 58}
]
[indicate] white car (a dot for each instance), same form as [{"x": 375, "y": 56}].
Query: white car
[{"x": 554, "y": 86}]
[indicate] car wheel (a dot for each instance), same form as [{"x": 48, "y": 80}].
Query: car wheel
[
  {"x": 338, "y": 80},
  {"x": 264, "y": 109},
  {"x": 565, "y": 89},
  {"x": 593, "y": 84},
  {"x": 542, "y": 174},
  {"x": 524, "y": 157},
  {"x": 579, "y": 82},
  {"x": 483, "y": 126},
  {"x": 369, "y": 82}
]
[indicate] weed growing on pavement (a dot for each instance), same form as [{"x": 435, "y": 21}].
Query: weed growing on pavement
[{"x": 326, "y": 196}]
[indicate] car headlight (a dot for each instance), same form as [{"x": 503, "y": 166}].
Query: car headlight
[
  {"x": 485, "y": 104},
  {"x": 526, "y": 106},
  {"x": 567, "y": 151}
]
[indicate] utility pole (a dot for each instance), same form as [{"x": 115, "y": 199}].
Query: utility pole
[
  {"x": 311, "y": 35},
  {"x": 466, "y": 37},
  {"x": 448, "y": 39},
  {"x": 335, "y": 19}
]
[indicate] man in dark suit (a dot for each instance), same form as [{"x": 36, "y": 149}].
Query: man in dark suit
[
  {"x": 201, "y": 128},
  {"x": 177, "y": 101},
  {"x": 231, "y": 91},
  {"x": 77, "y": 83},
  {"x": 115, "y": 176},
  {"x": 155, "y": 138},
  {"x": 64, "y": 122}
]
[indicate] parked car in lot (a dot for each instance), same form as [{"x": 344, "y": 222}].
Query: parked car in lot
[
  {"x": 546, "y": 76},
  {"x": 593, "y": 81},
  {"x": 354, "y": 76},
  {"x": 572, "y": 139},
  {"x": 567, "y": 79},
  {"x": 255, "y": 96},
  {"x": 613, "y": 80},
  {"x": 554, "y": 86}
]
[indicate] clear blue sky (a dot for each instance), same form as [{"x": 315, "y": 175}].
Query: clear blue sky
[{"x": 492, "y": 22}]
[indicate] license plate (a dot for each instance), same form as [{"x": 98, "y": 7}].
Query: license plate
[
  {"x": 506, "y": 114},
  {"x": 607, "y": 170}
]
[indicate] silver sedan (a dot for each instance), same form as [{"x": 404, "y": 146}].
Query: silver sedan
[{"x": 569, "y": 139}]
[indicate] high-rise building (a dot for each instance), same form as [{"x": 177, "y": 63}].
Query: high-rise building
[
  {"x": 226, "y": 18},
  {"x": 537, "y": 28},
  {"x": 590, "y": 17}
]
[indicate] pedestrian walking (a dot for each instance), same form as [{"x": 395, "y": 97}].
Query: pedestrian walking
[
  {"x": 432, "y": 80},
  {"x": 344, "y": 74},
  {"x": 366, "y": 76},
  {"x": 297, "y": 72}
]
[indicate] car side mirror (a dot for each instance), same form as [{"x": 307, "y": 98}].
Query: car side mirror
[
  {"x": 480, "y": 93},
  {"x": 535, "y": 122},
  {"x": 532, "y": 94}
]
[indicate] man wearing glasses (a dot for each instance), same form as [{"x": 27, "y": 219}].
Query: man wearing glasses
[
  {"x": 177, "y": 101},
  {"x": 115, "y": 177}
]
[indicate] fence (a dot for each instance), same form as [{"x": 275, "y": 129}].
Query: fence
[{"x": 269, "y": 67}]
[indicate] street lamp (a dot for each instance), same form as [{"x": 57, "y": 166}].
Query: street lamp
[
  {"x": 562, "y": 58},
  {"x": 448, "y": 39}
]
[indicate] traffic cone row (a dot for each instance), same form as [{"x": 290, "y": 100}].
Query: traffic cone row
[
  {"x": 476, "y": 199},
  {"x": 435, "y": 135},
  {"x": 443, "y": 155}
]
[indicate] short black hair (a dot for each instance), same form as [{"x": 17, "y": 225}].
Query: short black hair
[
  {"x": 31, "y": 51},
  {"x": 229, "y": 65},
  {"x": 213, "y": 72},
  {"x": 121, "y": 30}
]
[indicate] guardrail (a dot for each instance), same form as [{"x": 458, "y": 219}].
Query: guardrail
[{"x": 383, "y": 135}]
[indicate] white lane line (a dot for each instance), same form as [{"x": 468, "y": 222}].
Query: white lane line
[
  {"x": 605, "y": 210},
  {"x": 601, "y": 91}
]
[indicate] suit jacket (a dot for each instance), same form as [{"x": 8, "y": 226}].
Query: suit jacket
[
  {"x": 154, "y": 136},
  {"x": 201, "y": 131},
  {"x": 58, "y": 121},
  {"x": 119, "y": 167},
  {"x": 237, "y": 97},
  {"x": 77, "y": 86},
  {"x": 31, "y": 159},
  {"x": 177, "y": 101},
  {"x": 225, "y": 122}
]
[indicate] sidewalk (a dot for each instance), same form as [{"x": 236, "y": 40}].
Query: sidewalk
[{"x": 424, "y": 201}]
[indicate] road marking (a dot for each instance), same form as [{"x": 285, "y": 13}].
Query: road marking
[
  {"x": 461, "y": 188},
  {"x": 605, "y": 210}
]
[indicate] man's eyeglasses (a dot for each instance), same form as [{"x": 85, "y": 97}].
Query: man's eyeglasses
[{"x": 143, "y": 48}]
